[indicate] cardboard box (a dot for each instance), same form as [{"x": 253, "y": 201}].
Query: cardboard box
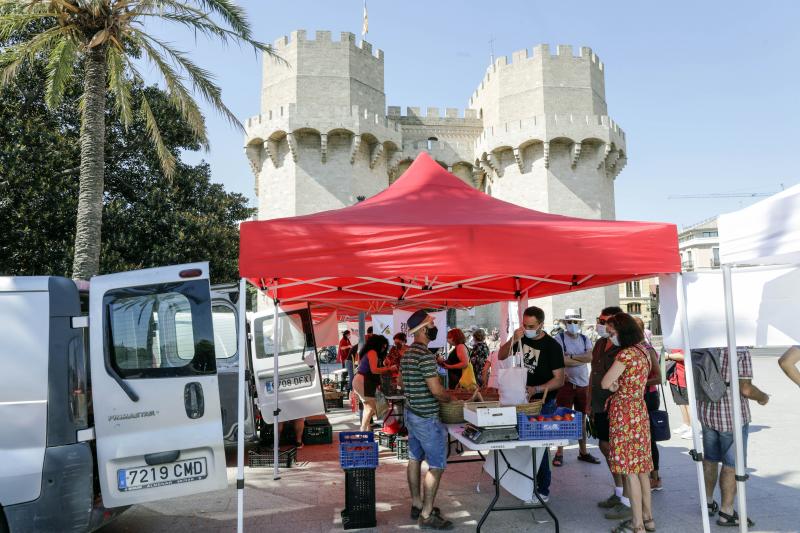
[{"x": 487, "y": 414}]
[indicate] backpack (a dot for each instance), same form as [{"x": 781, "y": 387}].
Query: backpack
[
  {"x": 563, "y": 342},
  {"x": 710, "y": 384}
]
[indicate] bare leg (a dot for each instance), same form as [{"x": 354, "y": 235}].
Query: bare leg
[
  {"x": 647, "y": 503},
  {"x": 685, "y": 414},
  {"x": 605, "y": 449},
  {"x": 431, "y": 484},
  {"x": 299, "y": 426},
  {"x": 412, "y": 473},
  {"x": 635, "y": 494},
  {"x": 727, "y": 486},
  {"x": 370, "y": 408},
  {"x": 710, "y": 474}
]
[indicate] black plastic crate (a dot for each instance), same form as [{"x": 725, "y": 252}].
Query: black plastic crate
[
  {"x": 386, "y": 440},
  {"x": 318, "y": 434},
  {"x": 401, "y": 448},
  {"x": 359, "y": 498},
  {"x": 334, "y": 403},
  {"x": 264, "y": 457}
]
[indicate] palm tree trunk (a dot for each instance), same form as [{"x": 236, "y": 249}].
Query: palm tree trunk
[{"x": 86, "y": 262}]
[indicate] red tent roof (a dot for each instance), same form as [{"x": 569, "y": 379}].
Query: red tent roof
[{"x": 432, "y": 240}]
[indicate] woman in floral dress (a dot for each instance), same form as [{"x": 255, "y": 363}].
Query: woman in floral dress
[{"x": 629, "y": 421}]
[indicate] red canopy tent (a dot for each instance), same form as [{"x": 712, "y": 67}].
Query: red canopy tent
[{"x": 430, "y": 240}]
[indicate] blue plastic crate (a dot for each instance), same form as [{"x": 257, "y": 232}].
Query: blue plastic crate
[
  {"x": 358, "y": 455},
  {"x": 356, "y": 436},
  {"x": 530, "y": 429}
]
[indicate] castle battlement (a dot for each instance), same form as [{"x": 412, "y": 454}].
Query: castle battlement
[
  {"x": 562, "y": 55},
  {"x": 325, "y": 38},
  {"x": 431, "y": 112}
]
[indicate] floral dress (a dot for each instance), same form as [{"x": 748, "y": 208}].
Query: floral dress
[
  {"x": 480, "y": 353},
  {"x": 628, "y": 417}
]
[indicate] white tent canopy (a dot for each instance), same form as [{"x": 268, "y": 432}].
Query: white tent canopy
[{"x": 765, "y": 233}]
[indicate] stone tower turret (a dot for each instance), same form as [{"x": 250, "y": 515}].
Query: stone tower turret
[
  {"x": 548, "y": 143},
  {"x": 322, "y": 138}
]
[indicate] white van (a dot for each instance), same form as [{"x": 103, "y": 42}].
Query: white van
[{"x": 120, "y": 402}]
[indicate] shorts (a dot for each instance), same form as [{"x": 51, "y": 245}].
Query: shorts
[
  {"x": 679, "y": 394},
  {"x": 570, "y": 395},
  {"x": 427, "y": 440},
  {"x": 602, "y": 426},
  {"x": 718, "y": 446}
]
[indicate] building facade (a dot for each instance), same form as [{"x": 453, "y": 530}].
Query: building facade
[
  {"x": 536, "y": 132},
  {"x": 699, "y": 246}
]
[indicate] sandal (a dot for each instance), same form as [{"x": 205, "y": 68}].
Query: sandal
[
  {"x": 627, "y": 525},
  {"x": 651, "y": 527},
  {"x": 588, "y": 458},
  {"x": 416, "y": 511},
  {"x": 727, "y": 520},
  {"x": 713, "y": 508},
  {"x": 434, "y": 521},
  {"x": 558, "y": 460}
]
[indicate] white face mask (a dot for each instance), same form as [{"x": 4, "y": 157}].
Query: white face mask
[
  {"x": 615, "y": 340},
  {"x": 601, "y": 330},
  {"x": 532, "y": 333},
  {"x": 574, "y": 328}
]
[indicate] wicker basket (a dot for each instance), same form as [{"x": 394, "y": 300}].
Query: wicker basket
[
  {"x": 452, "y": 412},
  {"x": 534, "y": 407}
]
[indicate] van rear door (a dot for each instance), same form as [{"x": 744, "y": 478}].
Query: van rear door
[
  {"x": 300, "y": 389},
  {"x": 154, "y": 385}
]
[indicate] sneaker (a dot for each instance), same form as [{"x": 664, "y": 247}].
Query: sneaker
[
  {"x": 619, "y": 512},
  {"x": 687, "y": 435},
  {"x": 434, "y": 521},
  {"x": 656, "y": 485},
  {"x": 682, "y": 429},
  {"x": 610, "y": 503}
]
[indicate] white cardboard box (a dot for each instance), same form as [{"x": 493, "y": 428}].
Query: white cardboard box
[{"x": 487, "y": 414}]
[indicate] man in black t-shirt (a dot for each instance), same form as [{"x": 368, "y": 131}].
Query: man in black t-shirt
[{"x": 544, "y": 359}]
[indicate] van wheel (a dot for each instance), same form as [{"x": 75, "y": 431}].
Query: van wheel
[
  {"x": 264, "y": 436},
  {"x": 3, "y": 523}
]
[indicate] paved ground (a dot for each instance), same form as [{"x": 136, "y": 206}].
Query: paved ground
[{"x": 310, "y": 496}]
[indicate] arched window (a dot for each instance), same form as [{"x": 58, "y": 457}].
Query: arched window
[{"x": 431, "y": 140}]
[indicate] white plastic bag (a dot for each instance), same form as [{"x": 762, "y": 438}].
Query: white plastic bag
[{"x": 511, "y": 383}]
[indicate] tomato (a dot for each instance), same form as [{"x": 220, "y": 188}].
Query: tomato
[
  {"x": 540, "y": 418},
  {"x": 568, "y": 418},
  {"x": 557, "y": 418}
]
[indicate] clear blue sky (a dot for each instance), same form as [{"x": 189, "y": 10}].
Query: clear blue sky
[{"x": 707, "y": 92}]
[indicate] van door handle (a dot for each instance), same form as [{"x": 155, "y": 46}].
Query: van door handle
[
  {"x": 162, "y": 457},
  {"x": 193, "y": 400}
]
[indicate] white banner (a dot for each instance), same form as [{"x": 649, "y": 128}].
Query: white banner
[
  {"x": 440, "y": 318},
  {"x": 383, "y": 325},
  {"x": 765, "y": 302}
]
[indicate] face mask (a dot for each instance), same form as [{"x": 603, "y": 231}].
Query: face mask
[
  {"x": 615, "y": 340},
  {"x": 601, "y": 330},
  {"x": 531, "y": 333},
  {"x": 432, "y": 332},
  {"x": 574, "y": 328}
]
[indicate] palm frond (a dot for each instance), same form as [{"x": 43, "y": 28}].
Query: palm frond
[
  {"x": 59, "y": 69},
  {"x": 202, "y": 80},
  {"x": 12, "y": 23},
  {"x": 165, "y": 157},
  {"x": 12, "y": 57},
  {"x": 233, "y": 15},
  {"x": 119, "y": 85}
]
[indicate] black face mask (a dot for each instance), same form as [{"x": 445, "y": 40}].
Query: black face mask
[{"x": 432, "y": 332}]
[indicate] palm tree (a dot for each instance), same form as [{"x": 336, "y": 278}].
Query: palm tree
[{"x": 101, "y": 40}]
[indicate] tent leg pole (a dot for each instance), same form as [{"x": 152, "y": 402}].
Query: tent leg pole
[
  {"x": 733, "y": 359},
  {"x": 697, "y": 432},
  {"x": 242, "y": 351},
  {"x": 276, "y": 434}
]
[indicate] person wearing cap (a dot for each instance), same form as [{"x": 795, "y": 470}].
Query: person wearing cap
[
  {"x": 575, "y": 392},
  {"x": 427, "y": 436}
]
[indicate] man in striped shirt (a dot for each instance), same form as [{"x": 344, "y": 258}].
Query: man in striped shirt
[{"x": 427, "y": 436}]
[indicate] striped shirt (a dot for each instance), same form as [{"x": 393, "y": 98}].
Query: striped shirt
[
  {"x": 719, "y": 415},
  {"x": 418, "y": 364}
]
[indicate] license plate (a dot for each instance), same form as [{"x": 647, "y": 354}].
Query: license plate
[
  {"x": 289, "y": 383},
  {"x": 147, "y": 477}
]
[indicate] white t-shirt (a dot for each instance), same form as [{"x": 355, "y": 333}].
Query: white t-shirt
[{"x": 577, "y": 375}]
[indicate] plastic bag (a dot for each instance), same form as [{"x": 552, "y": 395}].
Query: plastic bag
[
  {"x": 468, "y": 381},
  {"x": 381, "y": 405},
  {"x": 511, "y": 383}
]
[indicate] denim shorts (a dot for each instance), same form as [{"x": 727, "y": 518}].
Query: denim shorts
[
  {"x": 718, "y": 446},
  {"x": 427, "y": 440}
]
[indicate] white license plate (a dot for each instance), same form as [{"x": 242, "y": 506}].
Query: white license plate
[
  {"x": 289, "y": 383},
  {"x": 146, "y": 477}
]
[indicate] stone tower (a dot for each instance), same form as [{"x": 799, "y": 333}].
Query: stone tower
[{"x": 536, "y": 133}]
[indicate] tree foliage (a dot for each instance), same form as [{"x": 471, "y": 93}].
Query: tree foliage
[{"x": 149, "y": 220}]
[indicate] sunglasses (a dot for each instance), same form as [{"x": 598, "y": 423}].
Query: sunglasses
[
  {"x": 601, "y": 321},
  {"x": 572, "y": 322}
]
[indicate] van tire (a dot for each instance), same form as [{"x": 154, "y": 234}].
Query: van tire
[{"x": 3, "y": 523}]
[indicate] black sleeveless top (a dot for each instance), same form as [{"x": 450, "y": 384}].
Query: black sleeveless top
[{"x": 453, "y": 374}]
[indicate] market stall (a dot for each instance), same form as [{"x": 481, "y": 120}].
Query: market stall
[{"x": 432, "y": 241}]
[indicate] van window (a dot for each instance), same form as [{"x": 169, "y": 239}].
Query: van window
[
  {"x": 224, "y": 331},
  {"x": 160, "y": 331},
  {"x": 296, "y": 334}
]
